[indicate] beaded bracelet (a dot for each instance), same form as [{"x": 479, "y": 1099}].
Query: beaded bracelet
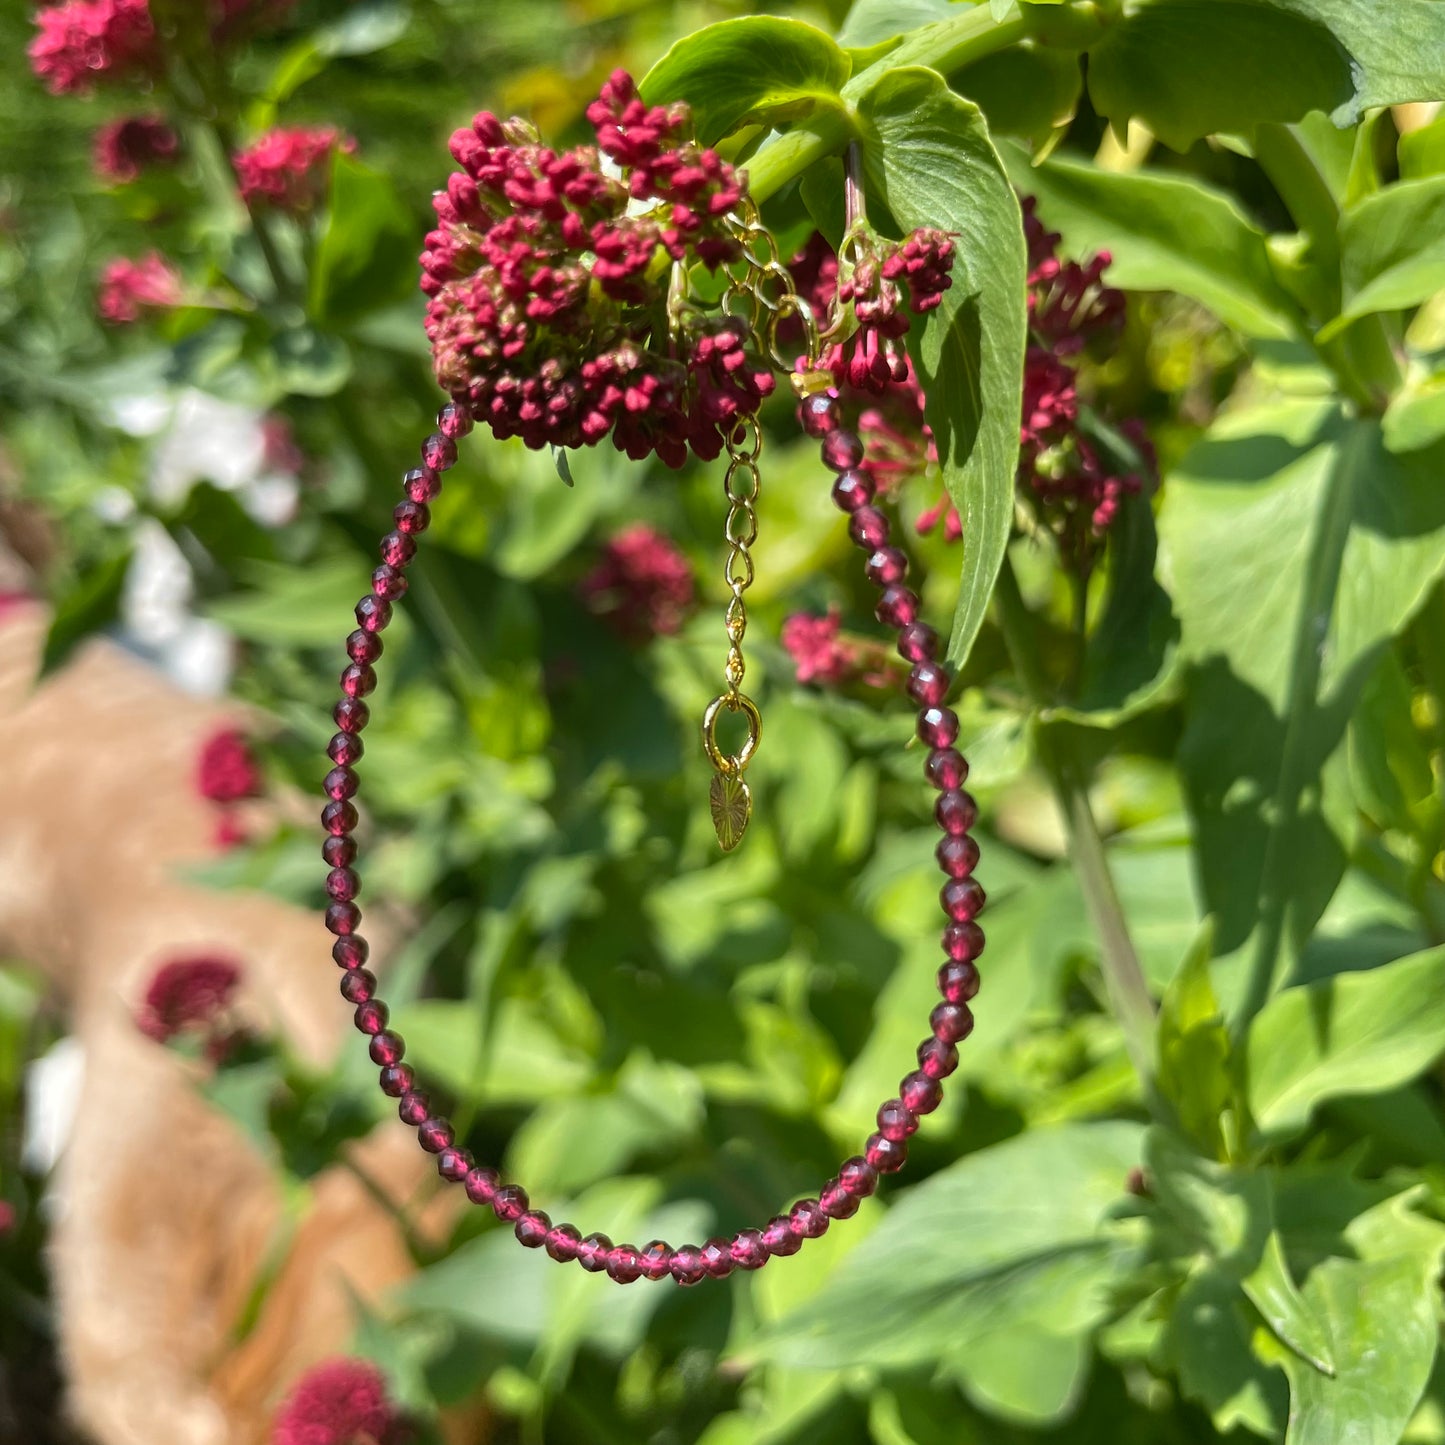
[{"x": 504, "y": 168}]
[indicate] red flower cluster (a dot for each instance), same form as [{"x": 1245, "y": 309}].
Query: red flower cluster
[
  {"x": 190, "y": 995},
  {"x": 642, "y": 586},
  {"x": 339, "y": 1402},
  {"x": 125, "y": 147},
  {"x": 548, "y": 281},
  {"x": 822, "y": 654},
  {"x": 85, "y": 41},
  {"x": 129, "y": 288},
  {"x": 286, "y": 168},
  {"x": 226, "y": 769}
]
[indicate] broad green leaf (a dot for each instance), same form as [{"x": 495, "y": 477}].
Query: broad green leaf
[
  {"x": 92, "y": 604},
  {"x": 1355, "y": 1033},
  {"x": 933, "y": 165},
  {"x": 1392, "y": 248},
  {"x": 1389, "y": 756},
  {"x": 1415, "y": 417},
  {"x": 1026, "y": 90},
  {"x": 1028, "y": 1375},
  {"x": 1016, "y": 1234},
  {"x": 1193, "y": 1068},
  {"x": 291, "y": 605},
  {"x": 1271, "y": 1289},
  {"x": 1164, "y": 233},
  {"x": 366, "y": 256},
  {"x": 759, "y": 68},
  {"x": 870, "y": 22},
  {"x": 1422, "y": 152}
]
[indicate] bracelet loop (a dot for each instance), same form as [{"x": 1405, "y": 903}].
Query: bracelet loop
[{"x": 730, "y": 764}]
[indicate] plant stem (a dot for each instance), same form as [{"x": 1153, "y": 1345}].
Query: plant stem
[{"x": 1128, "y": 990}]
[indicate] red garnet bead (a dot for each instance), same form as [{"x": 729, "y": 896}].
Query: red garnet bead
[
  {"x": 957, "y": 856},
  {"x": 386, "y": 1047},
  {"x": 656, "y": 1259},
  {"x": 842, "y": 450},
  {"x": 339, "y": 783},
  {"x": 342, "y": 918},
  {"x": 869, "y": 528},
  {"x": 351, "y": 952},
  {"x": 438, "y": 452},
  {"x": 623, "y": 1265},
  {"x": 951, "y": 1022},
  {"x": 936, "y": 1058},
  {"x": 435, "y": 1135},
  {"x": 748, "y": 1250},
  {"x": 453, "y": 1165},
  {"x": 358, "y": 985},
  {"x": 344, "y": 748},
  {"x": 592, "y": 1253},
  {"x": 836, "y": 1202},
  {"x": 396, "y": 1080},
  {"x": 927, "y": 684},
  {"x": 421, "y": 485},
  {"x": 562, "y": 1242},
  {"x": 532, "y": 1229},
  {"x": 946, "y": 769},
  {"x": 717, "y": 1258},
  {"x": 350, "y": 715},
  {"x": 955, "y": 811},
  {"x": 938, "y": 726},
  {"x": 342, "y": 883},
  {"x": 895, "y": 1120},
  {"x": 853, "y": 491},
  {"x": 373, "y": 613},
  {"x": 397, "y": 551},
  {"x": 387, "y": 582},
  {"x": 886, "y": 567},
  {"x": 897, "y": 607},
  {"x": 962, "y": 899},
  {"x": 482, "y": 1185},
  {"x": 808, "y": 1219},
  {"x": 921, "y": 1093},
  {"x": 454, "y": 420},
  {"x": 818, "y": 414},
  {"x": 858, "y": 1177},
  {"x": 412, "y": 517},
  {"x": 510, "y": 1203},
  {"x": 779, "y": 1238},
  {"x": 918, "y": 642},
  {"x": 371, "y": 1018},
  {"x": 687, "y": 1265},
  {"x": 358, "y": 680},
  {"x": 886, "y": 1155},
  {"x": 963, "y": 941},
  {"x": 364, "y": 646},
  {"x": 414, "y": 1108}
]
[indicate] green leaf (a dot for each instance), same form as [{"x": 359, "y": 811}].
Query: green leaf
[
  {"x": 1392, "y": 249},
  {"x": 1422, "y": 152},
  {"x": 1415, "y": 417},
  {"x": 759, "y": 68},
  {"x": 1193, "y": 1072},
  {"x": 1026, "y": 90},
  {"x": 365, "y": 28},
  {"x": 92, "y": 604},
  {"x": 1355, "y": 1033},
  {"x": 934, "y": 165},
  {"x": 870, "y": 22},
  {"x": 291, "y": 605},
  {"x": 1165, "y": 233},
  {"x": 366, "y": 257},
  {"x": 1034, "y": 1250},
  {"x": 1271, "y": 1289}
]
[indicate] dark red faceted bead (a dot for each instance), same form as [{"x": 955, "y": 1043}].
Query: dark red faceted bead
[
  {"x": 946, "y": 769},
  {"x": 808, "y": 1219},
  {"x": 358, "y": 679},
  {"x": 562, "y": 1242},
  {"x": 918, "y": 642},
  {"x": 340, "y": 782},
  {"x": 748, "y": 1250},
  {"x": 868, "y": 527},
  {"x": 414, "y": 1109},
  {"x": 482, "y": 1185},
  {"x": 421, "y": 485},
  {"x": 687, "y": 1265},
  {"x": 371, "y": 1018},
  {"x": 963, "y": 941},
  {"x": 886, "y": 567},
  {"x": 592, "y": 1253},
  {"x": 962, "y": 899},
  {"x": 938, "y": 727},
  {"x": 897, "y": 607},
  {"x": 957, "y": 856},
  {"x": 886, "y": 1155},
  {"x": 435, "y": 1135},
  {"x": 510, "y": 1203},
  {"x": 656, "y": 1259},
  {"x": 955, "y": 811},
  {"x": 454, "y": 420},
  {"x": 387, "y": 582},
  {"x": 358, "y": 985},
  {"x": 351, "y": 952},
  {"x": 623, "y": 1264},
  {"x": 386, "y": 1048},
  {"x": 342, "y": 884},
  {"x": 896, "y": 1120},
  {"x": 779, "y": 1238},
  {"x": 411, "y": 517},
  {"x": 397, "y": 551},
  {"x": 345, "y": 748},
  {"x": 396, "y": 1080},
  {"x": 338, "y": 818},
  {"x": 373, "y": 613},
  {"x": 920, "y": 1093},
  {"x": 364, "y": 646},
  {"x": 717, "y": 1258},
  {"x": 936, "y": 1058},
  {"x": 842, "y": 450},
  {"x": 858, "y": 1177},
  {"x": 531, "y": 1229},
  {"x": 852, "y": 491},
  {"x": 836, "y": 1202},
  {"x": 951, "y": 1022},
  {"x": 438, "y": 452},
  {"x": 350, "y": 715},
  {"x": 454, "y": 1164},
  {"x": 927, "y": 684},
  {"x": 342, "y": 918},
  {"x": 818, "y": 414}
]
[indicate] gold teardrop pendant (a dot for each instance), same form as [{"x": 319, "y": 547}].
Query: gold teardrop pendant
[{"x": 732, "y": 806}]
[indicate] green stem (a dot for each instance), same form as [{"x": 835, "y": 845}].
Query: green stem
[{"x": 1128, "y": 990}]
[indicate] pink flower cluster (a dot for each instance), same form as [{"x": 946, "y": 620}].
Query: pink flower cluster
[
  {"x": 338, "y": 1402},
  {"x": 548, "y": 280},
  {"x": 190, "y": 995},
  {"x": 126, "y": 146},
  {"x": 227, "y": 773},
  {"x": 129, "y": 288},
  {"x": 642, "y": 585},
  {"x": 287, "y": 168},
  {"x": 824, "y": 654},
  {"x": 83, "y": 42}
]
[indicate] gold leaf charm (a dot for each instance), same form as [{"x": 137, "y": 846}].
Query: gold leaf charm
[{"x": 732, "y": 806}]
